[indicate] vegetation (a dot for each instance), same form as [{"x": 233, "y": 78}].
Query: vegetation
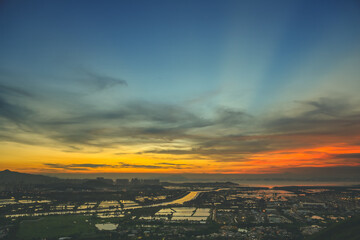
[
  {"x": 56, "y": 226},
  {"x": 347, "y": 230}
]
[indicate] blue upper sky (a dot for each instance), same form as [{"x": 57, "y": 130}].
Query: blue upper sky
[{"x": 240, "y": 54}]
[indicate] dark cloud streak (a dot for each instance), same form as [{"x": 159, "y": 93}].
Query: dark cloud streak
[
  {"x": 88, "y": 166},
  {"x": 231, "y": 135},
  {"x": 102, "y": 82}
]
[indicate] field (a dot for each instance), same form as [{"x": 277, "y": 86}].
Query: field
[{"x": 53, "y": 227}]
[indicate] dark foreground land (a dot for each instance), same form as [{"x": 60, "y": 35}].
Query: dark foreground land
[{"x": 39, "y": 207}]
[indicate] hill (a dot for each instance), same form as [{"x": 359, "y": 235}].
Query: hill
[
  {"x": 8, "y": 177},
  {"x": 347, "y": 230}
]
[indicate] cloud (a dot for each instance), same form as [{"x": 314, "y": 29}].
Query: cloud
[
  {"x": 123, "y": 126},
  {"x": 14, "y": 113},
  {"x": 326, "y": 116},
  {"x": 318, "y": 123},
  {"x": 348, "y": 155},
  {"x": 101, "y": 82},
  {"x": 179, "y": 165},
  {"x": 157, "y": 166},
  {"x": 203, "y": 97},
  {"x": 88, "y": 166},
  {"x": 125, "y": 165},
  {"x": 328, "y": 107},
  {"x": 228, "y": 135},
  {"x": 10, "y": 91},
  {"x": 84, "y": 166},
  {"x": 230, "y": 117}
]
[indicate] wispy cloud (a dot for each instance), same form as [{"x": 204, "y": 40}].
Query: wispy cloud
[
  {"x": 120, "y": 165},
  {"x": 348, "y": 155},
  {"x": 101, "y": 82},
  {"x": 228, "y": 135},
  {"x": 80, "y": 167},
  {"x": 155, "y": 166},
  {"x": 10, "y": 90}
]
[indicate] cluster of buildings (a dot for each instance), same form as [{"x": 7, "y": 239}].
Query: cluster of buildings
[
  {"x": 133, "y": 181},
  {"x": 229, "y": 213}
]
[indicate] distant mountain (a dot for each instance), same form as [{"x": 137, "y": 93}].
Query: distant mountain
[{"x": 8, "y": 177}]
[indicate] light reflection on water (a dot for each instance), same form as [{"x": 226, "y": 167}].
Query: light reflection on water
[
  {"x": 108, "y": 210},
  {"x": 274, "y": 183},
  {"x": 106, "y": 226}
]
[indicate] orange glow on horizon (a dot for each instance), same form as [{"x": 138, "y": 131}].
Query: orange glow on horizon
[{"x": 50, "y": 161}]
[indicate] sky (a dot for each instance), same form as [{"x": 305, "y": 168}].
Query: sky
[{"x": 215, "y": 87}]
